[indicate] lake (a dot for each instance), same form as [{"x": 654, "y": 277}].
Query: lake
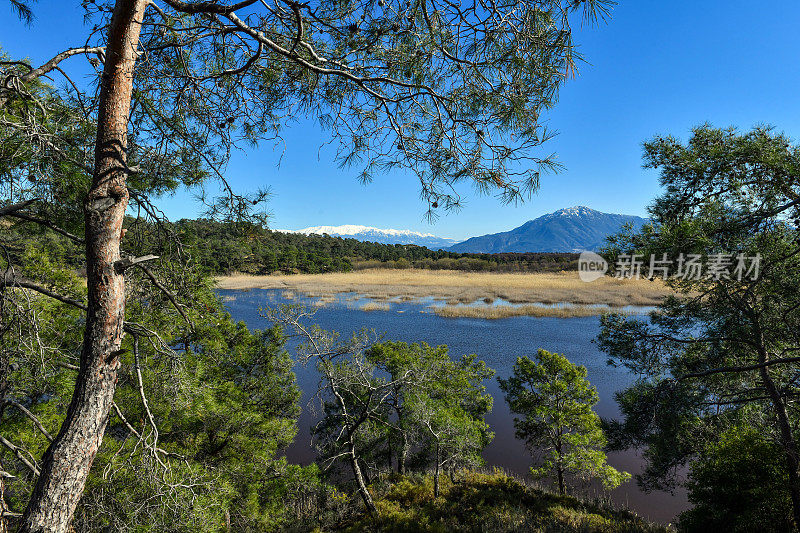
[{"x": 499, "y": 343}]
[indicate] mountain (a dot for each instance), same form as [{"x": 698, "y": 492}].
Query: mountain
[
  {"x": 383, "y": 236},
  {"x": 574, "y": 229}
]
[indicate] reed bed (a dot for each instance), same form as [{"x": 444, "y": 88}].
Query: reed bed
[
  {"x": 375, "y": 306},
  {"x": 324, "y": 301},
  {"x": 505, "y": 311},
  {"x": 461, "y": 287}
]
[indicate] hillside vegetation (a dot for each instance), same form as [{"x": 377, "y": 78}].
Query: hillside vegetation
[{"x": 484, "y": 502}]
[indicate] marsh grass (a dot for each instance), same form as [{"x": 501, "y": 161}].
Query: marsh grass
[
  {"x": 506, "y": 311},
  {"x": 376, "y": 306},
  {"x": 324, "y": 301},
  {"x": 461, "y": 287}
]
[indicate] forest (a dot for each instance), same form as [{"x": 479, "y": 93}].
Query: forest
[{"x": 223, "y": 248}]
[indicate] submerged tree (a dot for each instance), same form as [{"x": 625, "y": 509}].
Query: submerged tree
[
  {"x": 453, "y": 92},
  {"x": 555, "y": 401},
  {"x": 721, "y": 353}
]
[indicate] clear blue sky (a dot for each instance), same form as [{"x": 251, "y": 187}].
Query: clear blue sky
[{"x": 657, "y": 67}]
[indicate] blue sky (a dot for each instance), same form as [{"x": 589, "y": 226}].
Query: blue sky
[{"x": 655, "y": 68}]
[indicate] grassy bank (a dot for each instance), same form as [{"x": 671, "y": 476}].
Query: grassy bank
[
  {"x": 486, "y": 502},
  {"x": 506, "y": 311},
  {"x": 461, "y": 287}
]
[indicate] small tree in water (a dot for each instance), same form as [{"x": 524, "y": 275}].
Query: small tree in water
[{"x": 555, "y": 400}]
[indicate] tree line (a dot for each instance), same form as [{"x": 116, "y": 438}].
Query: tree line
[
  {"x": 227, "y": 247},
  {"x": 221, "y": 248}
]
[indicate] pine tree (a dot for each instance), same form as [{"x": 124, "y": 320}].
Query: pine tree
[{"x": 555, "y": 400}]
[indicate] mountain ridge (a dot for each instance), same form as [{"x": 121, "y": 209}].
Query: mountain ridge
[{"x": 572, "y": 229}]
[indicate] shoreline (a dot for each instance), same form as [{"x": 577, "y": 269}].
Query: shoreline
[{"x": 458, "y": 287}]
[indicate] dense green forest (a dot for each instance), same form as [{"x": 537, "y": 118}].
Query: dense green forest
[{"x": 222, "y": 248}]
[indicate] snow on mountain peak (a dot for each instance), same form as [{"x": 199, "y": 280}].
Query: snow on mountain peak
[
  {"x": 385, "y": 236},
  {"x": 355, "y": 229},
  {"x": 578, "y": 210}
]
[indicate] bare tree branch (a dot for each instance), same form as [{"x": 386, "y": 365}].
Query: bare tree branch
[
  {"x": 9, "y": 280},
  {"x": 733, "y": 369},
  {"x": 31, "y": 416},
  {"x": 18, "y": 452}
]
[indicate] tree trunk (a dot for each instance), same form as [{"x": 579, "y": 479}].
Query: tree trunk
[
  {"x": 365, "y": 472},
  {"x": 4, "y": 370},
  {"x": 402, "y": 458},
  {"x": 436, "y": 474},
  {"x": 362, "y": 487},
  {"x": 559, "y": 445},
  {"x": 787, "y": 442},
  {"x": 66, "y": 464},
  {"x": 3, "y": 506}
]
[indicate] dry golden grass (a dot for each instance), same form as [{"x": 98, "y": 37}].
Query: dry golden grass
[
  {"x": 375, "y": 306},
  {"x": 461, "y": 287},
  {"x": 324, "y": 302},
  {"x": 506, "y": 311}
]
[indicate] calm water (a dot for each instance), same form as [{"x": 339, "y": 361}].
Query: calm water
[{"x": 499, "y": 343}]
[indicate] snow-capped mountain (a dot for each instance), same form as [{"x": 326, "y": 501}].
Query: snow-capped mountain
[
  {"x": 384, "y": 236},
  {"x": 573, "y": 229}
]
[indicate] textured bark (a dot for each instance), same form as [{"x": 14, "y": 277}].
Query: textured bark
[
  {"x": 788, "y": 443},
  {"x": 5, "y": 525},
  {"x": 562, "y": 489},
  {"x": 66, "y": 464},
  {"x": 365, "y": 472}
]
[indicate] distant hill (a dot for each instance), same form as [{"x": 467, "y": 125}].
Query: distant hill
[
  {"x": 574, "y": 229},
  {"x": 383, "y": 236}
]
